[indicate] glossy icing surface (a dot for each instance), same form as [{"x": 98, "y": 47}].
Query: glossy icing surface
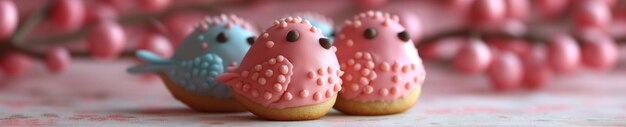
[{"x": 287, "y": 66}]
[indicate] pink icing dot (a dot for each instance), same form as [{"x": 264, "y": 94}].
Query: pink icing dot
[
  {"x": 394, "y": 91},
  {"x": 330, "y": 70},
  {"x": 329, "y": 93},
  {"x": 396, "y": 67},
  {"x": 278, "y": 87},
  {"x": 280, "y": 58},
  {"x": 262, "y": 81},
  {"x": 354, "y": 87},
  {"x": 348, "y": 77},
  {"x": 384, "y": 66},
  {"x": 320, "y": 82},
  {"x": 331, "y": 80},
  {"x": 269, "y": 44},
  {"x": 320, "y": 72},
  {"x": 269, "y": 73},
  {"x": 272, "y": 61},
  {"x": 282, "y": 79},
  {"x": 367, "y": 56},
  {"x": 372, "y": 76},
  {"x": 337, "y": 87},
  {"x": 350, "y": 43},
  {"x": 358, "y": 55},
  {"x": 364, "y": 81},
  {"x": 304, "y": 93},
  {"x": 365, "y": 72},
  {"x": 351, "y": 62},
  {"x": 396, "y": 79},
  {"x": 405, "y": 69},
  {"x": 368, "y": 89},
  {"x": 284, "y": 69},
  {"x": 384, "y": 92},
  {"x": 265, "y": 35},
  {"x": 311, "y": 75},
  {"x": 288, "y": 96},
  {"x": 370, "y": 65},
  {"x": 258, "y": 67},
  {"x": 357, "y": 66},
  {"x": 317, "y": 96},
  {"x": 244, "y": 74},
  {"x": 407, "y": 86},
  {"x": 267, "y": 96}
]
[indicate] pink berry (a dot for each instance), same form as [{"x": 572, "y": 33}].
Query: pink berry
[
  {"x": 106, "y": 40},
  {"x": 441, "y": 49},
  {"x": 487, "y": 12},
  {"x": 563, "y": 54},
  {"x": 157, "y": 44},
  {"x": 519, "y": 47},
  {"x": 600, "y": 53},
  {"x": 57, "y": 60},
  {"x": 153, "y": 5},
  {"x": 505, "y": 73},
  {"x": 100, "y": 12},
  {"x": 536, "y": 70},
  {"x": 68, "y": 14},
  {"x": 8, "y": 18},
  {"x": 413, "y": 25},
  {"x": 517, "y": 9},
  {"x": 592, "y": 14},
  {"x": 473, "y": 58},
  {"x": 15, "y": 64},
  {"x": 550, "y": 8}
]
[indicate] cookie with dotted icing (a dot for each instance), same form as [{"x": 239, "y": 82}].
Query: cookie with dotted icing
[
  {"x": 383, "y": 73},
  {"x": 290, "y": 73},
  {"x": 216, "y": 45}
]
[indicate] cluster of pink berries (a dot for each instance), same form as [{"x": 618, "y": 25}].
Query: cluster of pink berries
[
  {"x": 515, "y": 56},
  {"x": 105, "y": 39}
]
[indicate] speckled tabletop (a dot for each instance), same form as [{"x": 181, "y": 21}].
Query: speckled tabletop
[{"x": 102, "y": 94}]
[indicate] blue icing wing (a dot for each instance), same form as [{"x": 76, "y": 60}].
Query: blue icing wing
[{"x": 197, "y": 76}]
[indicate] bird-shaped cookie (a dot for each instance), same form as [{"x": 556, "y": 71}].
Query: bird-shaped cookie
[
  {"x": 216, "y": 45},
  {"x": 383, "y": 73},
  {"x": 290, "y": 73}
]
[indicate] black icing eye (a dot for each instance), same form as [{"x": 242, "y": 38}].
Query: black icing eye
[
  {"x": 222, "y": 38},
  {"x": 404, "y": 36},
  {"x": 250, "y": 40},
  {"x": 325, "y": 43},
  {"x": 369, "y": 33},
  {"x": 293, "y": 36},
  {"x": 333, "y": 34}
]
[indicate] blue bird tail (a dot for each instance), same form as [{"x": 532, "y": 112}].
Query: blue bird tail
[
  {"x": 155, "y": 63},
  {"x": 151, "y": 57}
]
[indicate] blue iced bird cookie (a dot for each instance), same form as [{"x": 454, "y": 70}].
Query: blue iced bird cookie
[{"x": 216, "y": 45}]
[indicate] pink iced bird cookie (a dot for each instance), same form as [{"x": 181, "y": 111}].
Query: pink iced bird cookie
[
  {"x": 291, "y": 72},
  {"x": 383, "y": 73}
]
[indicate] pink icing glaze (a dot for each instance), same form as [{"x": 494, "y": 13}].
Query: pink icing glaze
[
  {"x": 287, "y": 74},
  {"x": 378, "y": 69}
]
